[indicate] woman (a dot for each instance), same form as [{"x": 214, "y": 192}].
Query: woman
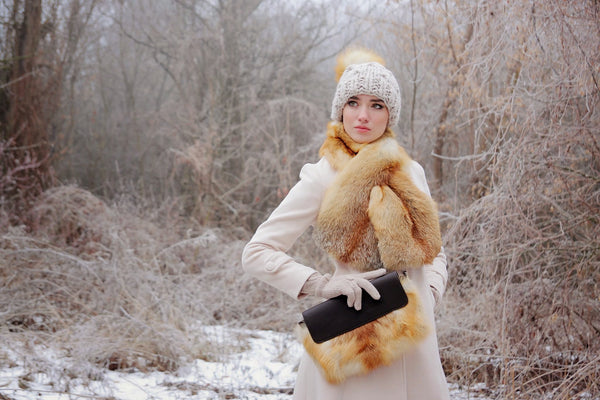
[{"x": 371, "y": 210}]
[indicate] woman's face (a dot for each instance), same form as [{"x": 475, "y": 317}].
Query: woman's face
[{"x": 365, "y": 118}]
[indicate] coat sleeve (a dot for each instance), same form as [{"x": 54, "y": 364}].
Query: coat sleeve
[
  {"x": 265, "y": 256},
  {"x": 436, "y": 273}
]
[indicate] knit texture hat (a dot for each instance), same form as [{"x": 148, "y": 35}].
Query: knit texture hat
[{"x": 369, "y": 78}]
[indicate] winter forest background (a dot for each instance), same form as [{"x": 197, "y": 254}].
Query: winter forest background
[{"x": 143, "y": 141}]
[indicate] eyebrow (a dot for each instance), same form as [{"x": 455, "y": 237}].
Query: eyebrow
[{"x": 371, "y": 100}]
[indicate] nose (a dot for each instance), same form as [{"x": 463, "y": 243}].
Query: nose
[{"x": 363, "y": 114}]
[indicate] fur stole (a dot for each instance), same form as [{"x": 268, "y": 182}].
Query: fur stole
[{"x": 373, "y": 215}]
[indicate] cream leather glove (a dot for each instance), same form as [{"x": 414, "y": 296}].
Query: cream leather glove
[{"x": 349, "y": 285}]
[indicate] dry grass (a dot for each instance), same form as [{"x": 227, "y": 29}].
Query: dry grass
[
  {"x": 119, "y": 291},
  {"x": 524, "y": 306}
]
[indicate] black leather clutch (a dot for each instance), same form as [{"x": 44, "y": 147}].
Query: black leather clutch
[{"x": 333, "y": 317}]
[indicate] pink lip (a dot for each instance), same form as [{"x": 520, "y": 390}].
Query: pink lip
[{"x": 362, "y": 128}]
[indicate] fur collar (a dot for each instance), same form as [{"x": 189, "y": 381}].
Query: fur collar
[
  {"x": 339, "y": 148},
  {"x": 373, "y": 215}
]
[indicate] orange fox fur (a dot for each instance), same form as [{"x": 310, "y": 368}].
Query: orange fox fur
[
  {"x": 370, "y": 346},
  {"x": 373, "y": 215}
]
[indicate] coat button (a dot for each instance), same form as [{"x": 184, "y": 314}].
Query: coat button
[{"x": 270, "y": 267}]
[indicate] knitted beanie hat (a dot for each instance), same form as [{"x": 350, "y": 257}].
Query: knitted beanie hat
[{"x": 372, "y": 79}]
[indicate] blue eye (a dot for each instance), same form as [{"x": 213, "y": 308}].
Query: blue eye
[
  {"x": 352, "y": 103},
  {"x": 378, "y": 106}
]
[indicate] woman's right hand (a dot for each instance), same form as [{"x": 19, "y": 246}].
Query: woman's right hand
[{"x": 349, "y": 285}]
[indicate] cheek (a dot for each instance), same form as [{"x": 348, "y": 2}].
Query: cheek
[
  {"x": 386, "y": 118},
  {"x": 347, "y": 116},
  {"x": 346, "y": 124},
  {"x": 382, "y": 119},
  {"x": 345, "y": 113}
]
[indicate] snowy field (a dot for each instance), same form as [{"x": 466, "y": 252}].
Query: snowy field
[{"x": 255, "y": 365}]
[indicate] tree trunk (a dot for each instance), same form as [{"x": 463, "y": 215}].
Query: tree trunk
[{"x": 26, "y": 150}]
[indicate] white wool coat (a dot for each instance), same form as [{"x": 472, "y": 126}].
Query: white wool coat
[{"x": 418, "y": 375}]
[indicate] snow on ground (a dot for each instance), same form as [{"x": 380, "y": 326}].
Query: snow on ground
[{"x": 262, "y": 365}]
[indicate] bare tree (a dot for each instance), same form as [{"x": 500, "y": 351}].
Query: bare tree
[
  {"x": 26, "y": 151},
  {"x": 31, "y": 90},
  {"x": 185, "y": 96}
]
